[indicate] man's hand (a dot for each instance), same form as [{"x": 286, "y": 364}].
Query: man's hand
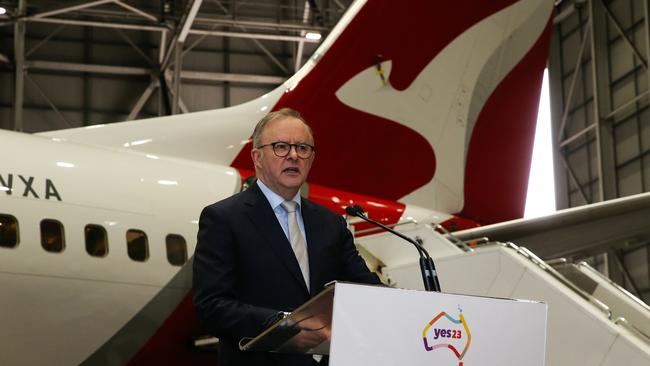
[
  {"x": 308, "y": 339},
  {"x": 313, "y": 332}
]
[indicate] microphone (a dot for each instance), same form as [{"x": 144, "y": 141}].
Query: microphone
[
  {"x": 354, "y": 210},
  {"x": 428, "y": 269}
]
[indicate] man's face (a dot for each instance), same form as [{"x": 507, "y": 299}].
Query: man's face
[{"x": 283, "y": 176}]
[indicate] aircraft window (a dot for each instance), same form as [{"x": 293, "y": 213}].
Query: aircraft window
[
  {"x": 176, "y": 249},
  {"x": 137, "y": 245},
  {"x": 52, "y": 237},
  {"x": 96, "y": 240},
  {"x": 8, "y": 231}
]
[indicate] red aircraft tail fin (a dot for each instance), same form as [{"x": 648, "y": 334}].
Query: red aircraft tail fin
[{"x": 431, "y": 104}]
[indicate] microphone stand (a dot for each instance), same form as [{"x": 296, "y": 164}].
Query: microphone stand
[{"x": 427, "y": 267}]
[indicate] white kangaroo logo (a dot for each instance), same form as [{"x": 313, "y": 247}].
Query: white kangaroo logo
[{"x": 475, "y": 63}]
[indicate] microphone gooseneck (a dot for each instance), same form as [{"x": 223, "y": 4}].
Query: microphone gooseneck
[{"x": 427, "y": 267}]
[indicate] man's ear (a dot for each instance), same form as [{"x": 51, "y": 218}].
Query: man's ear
[{"x": 256, "y": 156}]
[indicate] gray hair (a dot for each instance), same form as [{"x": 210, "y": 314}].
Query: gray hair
[{"x": 282, "y": 113}]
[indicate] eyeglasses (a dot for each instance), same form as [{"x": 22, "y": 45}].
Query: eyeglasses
[{"x": 282, "y": 149}]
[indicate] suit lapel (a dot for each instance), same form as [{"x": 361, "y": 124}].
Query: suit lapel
[
  {"x": 263, "y": 218},
  {"x": 314, "y": 234}
]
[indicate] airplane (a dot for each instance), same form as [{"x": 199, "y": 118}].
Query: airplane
[{"x": 421, "y": 113}]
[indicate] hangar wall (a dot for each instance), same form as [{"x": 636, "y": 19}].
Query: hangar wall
[{"x": 598, "y": 67}]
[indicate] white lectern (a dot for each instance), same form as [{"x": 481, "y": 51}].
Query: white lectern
[{"x": 374, "y": 325}]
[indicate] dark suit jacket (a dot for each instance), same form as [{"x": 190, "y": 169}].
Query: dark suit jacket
[{"x": 245, "y": 270}]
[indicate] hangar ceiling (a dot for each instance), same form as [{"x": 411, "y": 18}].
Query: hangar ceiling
[{"x": 119, "y": 60}]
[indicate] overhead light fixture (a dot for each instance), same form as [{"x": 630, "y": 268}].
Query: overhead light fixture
[
  {"x": 3, "y": 11},
  {"x": 313, "y": 35}
]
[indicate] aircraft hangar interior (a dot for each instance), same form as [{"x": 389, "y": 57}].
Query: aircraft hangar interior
[
  {"x": 156, "y": 74},
  {"x": 601, "y": 132}
]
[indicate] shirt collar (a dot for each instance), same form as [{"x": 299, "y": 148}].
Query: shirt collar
[{"x": 275, "y": 199}]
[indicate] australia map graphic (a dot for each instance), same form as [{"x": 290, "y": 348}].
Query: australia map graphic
[{"x": 445, "y": 333}]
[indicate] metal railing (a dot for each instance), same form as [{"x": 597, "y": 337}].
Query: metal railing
[
  {"x": 626, "y": 324},
  {"x": 604, "y": 308},
  {"x": 454, "y": 239},
  {"x": 378, "y": 230},
  {"x": 557, "y": 261},
  {"x": 558, "y": 276},
  {"x": 626, "y": 293}
]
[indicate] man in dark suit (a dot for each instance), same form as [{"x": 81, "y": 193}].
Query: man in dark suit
[{"x": 267, "y": 250}]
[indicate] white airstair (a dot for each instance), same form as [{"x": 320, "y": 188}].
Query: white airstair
[
  {"x": 602, "y": 326},
  {"x": 625, "y": 307}
]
